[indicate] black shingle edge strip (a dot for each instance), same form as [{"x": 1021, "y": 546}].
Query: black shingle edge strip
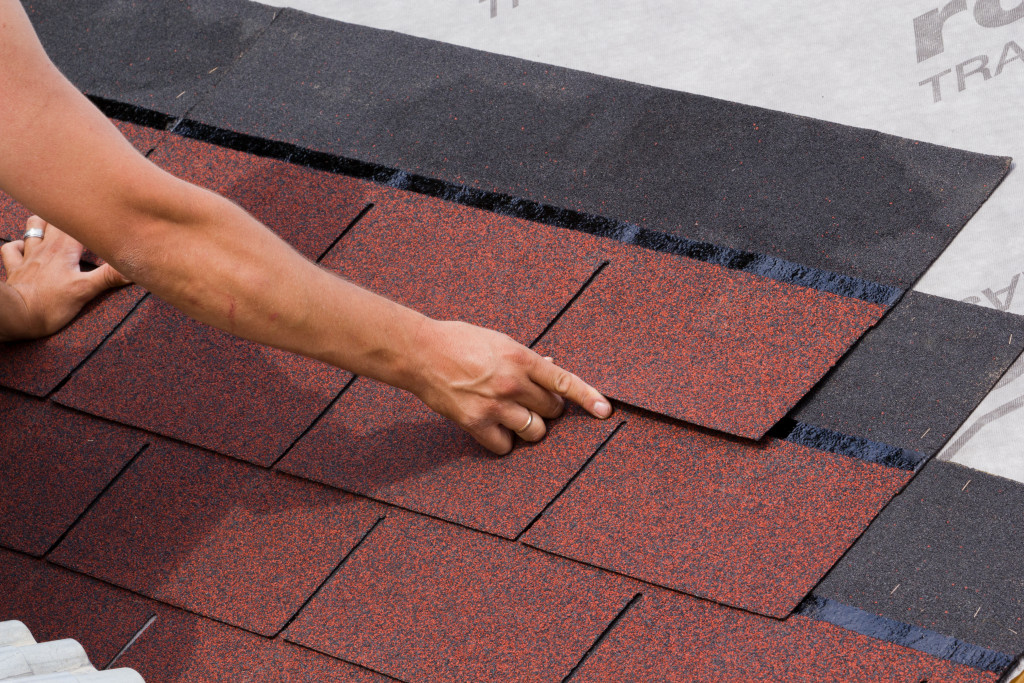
[
  {"x": 843, "y": 444},
  {"x": 132, "y": 113},
  {"x": 913, "y": 637},
  {"x": 516, "y": 207}
]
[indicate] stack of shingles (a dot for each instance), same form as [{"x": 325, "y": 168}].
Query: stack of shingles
[
  {"x": 59, "y": 661},
  {"x": 281, "y": 519}
]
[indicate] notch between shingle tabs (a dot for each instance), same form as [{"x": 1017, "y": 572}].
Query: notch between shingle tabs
[
  {"x": 906, "y": 635},
  {"x": 103, "y": 342},
  {"x": 618, "y": 617},
  {"x": 344, "y": 232},
  {"x": 330, "y": 576},
  {"x": 131, "y": 641},
  {"x": 568, "y": 305},
  {"x": 573, "y": 478},
  {"x": 315, "y": 421},
  {"x": 96, "y": 499},
  {"x": 823, "y": 439}
]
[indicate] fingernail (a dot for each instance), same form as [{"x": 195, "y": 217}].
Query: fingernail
[{"x": 603, "y": 409}]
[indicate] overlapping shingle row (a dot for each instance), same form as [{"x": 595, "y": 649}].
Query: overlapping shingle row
[
  {"x": 283, "y": 520},
  {"x": 644, "y": 502}
]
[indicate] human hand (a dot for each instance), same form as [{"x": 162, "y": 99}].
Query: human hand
[
  {"x": 492, "y": 386},
  {"x": 46, "y": 275}
]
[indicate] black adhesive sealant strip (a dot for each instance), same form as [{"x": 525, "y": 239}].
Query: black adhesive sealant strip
[
  {"x": 913, "y": 637},
  {"x": 515, "y": 207},
  {"x": 843, "y": 444},
  {"x": 132, "y": 113}
]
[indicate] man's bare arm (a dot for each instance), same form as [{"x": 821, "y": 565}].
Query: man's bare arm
[{"x": 66, "y": 162}]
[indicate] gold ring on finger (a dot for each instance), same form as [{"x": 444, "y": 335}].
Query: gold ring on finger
[{"x": 527, "y": 425}]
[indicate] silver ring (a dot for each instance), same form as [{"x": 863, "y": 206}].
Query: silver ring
[
  {"x": 527, "y": 425},
  {"x": 33, "y": 232}
]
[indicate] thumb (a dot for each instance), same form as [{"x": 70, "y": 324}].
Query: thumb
[
  {"x": 13, "y": 255},
  {"x": 104, "y": 278}
]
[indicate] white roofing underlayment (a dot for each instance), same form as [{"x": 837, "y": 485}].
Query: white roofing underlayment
[{"x": 58, "y": 661}]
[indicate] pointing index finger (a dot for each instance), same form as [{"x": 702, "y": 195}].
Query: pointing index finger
[{"x": 568, "y": 385}]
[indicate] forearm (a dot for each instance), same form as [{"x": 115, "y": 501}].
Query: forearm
[{"x": 219, "y": 265}]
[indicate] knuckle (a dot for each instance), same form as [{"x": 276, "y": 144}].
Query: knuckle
[
  {"x": 111, "y": 278},
  {"x": 506, "y": 385},
  {"x": 563, "y": 382},
  {"x": 520, "y": 356},
  {"x": 482, "y": 414}
]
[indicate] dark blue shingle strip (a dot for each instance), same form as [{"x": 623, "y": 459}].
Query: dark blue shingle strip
[
  {"x": 842, "y": 444},
  {"x": 913, "y": 637}
]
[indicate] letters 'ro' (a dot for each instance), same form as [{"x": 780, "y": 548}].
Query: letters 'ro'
[{"x": 987, "y": 13}]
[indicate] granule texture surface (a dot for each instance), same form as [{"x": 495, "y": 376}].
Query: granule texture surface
[
  {"x": 752, "y": 525},
  {"x": 220, "y": 538},
  {"x": 914, "y": 379},
  {"x": 833, "y": 197},
  {"x": 53, "y": 463},
  {"x": 183, "y": 648},
  {"x": 55, "y": 604},
  {"x": 720, "y": 348},
  {"x": 424, "y": 600},
  {"x": 166, "y": 373},
  {"x": 384, "y": 443},
  {"x": 308, "y": 209},
  {"x": 945, "y": 556},
  {"x": 451, "y": 262},
  {"x": 160, "y": 54},
  {"x": 677, "y": 638}
]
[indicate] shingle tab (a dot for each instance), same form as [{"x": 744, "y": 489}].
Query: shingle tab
[
  {"x": 455, "y": 262},
  {"x": 720, "y": 348},
  {"x": 308, "y": 209},
  {"x": 423, "y": 600},
  {"x": 217, "y": 537},
  {"x": 166, "y": 373},
  {"x": 752, "y": 525}
]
